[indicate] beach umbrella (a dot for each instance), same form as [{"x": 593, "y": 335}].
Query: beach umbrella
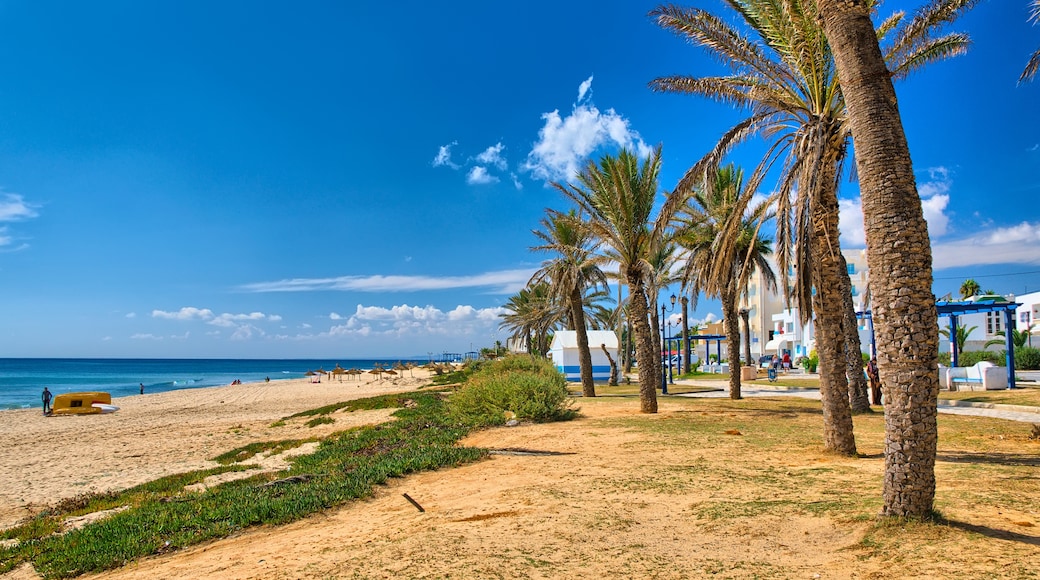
[{"x": 339, "y": 371}]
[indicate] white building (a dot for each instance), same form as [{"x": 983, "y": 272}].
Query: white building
[
  {"x": 775, "y": 328},
  {"x": 564, "y": 353}
]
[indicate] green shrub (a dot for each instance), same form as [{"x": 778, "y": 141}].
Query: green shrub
[
  {"x": 523, "y": 387},
  {"x": 1027, "y": 358},
  {"x": 944, "y": 358},
  {"x": 970, "y": 357}
]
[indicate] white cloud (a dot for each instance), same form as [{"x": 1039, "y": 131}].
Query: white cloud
[
  {"x": 584, "y": 88},
  {"x": 1009, "y": 245},
  {"x": 493, "y": 156},
  {"x": 444, "y": 156},
  {"x": 500, "y": 282},
  {"x": 935, "y": 199},
  {"x": 480, "y": 176},
  {"x": 13, "y": 208},
  {"x": 186, "y": 313},
  {"x": 564, "y": 143},
  {"x": 131, "y": 315},
  {"x": 145, "y": 336}
]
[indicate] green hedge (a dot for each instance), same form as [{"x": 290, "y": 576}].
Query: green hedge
[{"x": 521, "y": 387}]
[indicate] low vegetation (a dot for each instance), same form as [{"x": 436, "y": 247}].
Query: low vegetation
[{"x": 164, "y": 515}]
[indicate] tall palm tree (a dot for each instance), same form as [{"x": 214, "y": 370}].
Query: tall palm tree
[
  {"x": 969, "y": 288},
  {"x": 530, "y": 315},
  {"x": 723, "y": 248},
  {"x": 899, "y": 255},
  {"x": 618, "y": 194},
  {"x": 572, "y": 270},
  {"x": 745, "y": 322},
  {"x": 788, "y": 82},
  {"x": 1034, "y": 61}
]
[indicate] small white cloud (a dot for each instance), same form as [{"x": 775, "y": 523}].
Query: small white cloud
[
  {"x": 583, "y": 88},
  {"x": 335, "y": 316},
  {"x": 493, "y": 156},
  {"x": 131, "y": 315},
  {"x": 516, "y": 181},
  {"x": 186, "y": 313},
  {"x": 145, "y": 336},
  {"x": 13, "y": 208},
  {"x": 850, "y": 223},
  {"x": 444, "y": 156},
  {"x": 500, "y": 282},
  {"x": 564, "y": 143},
  {"x": 480, "y": 176}
]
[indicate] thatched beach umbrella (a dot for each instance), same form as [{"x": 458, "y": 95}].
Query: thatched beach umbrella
[{"x": 377, "y": 371}]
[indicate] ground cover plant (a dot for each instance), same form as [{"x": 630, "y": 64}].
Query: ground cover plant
[{"x": 164, "y": 515}]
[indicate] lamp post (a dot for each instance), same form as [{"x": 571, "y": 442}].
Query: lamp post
[
  {"x": 685, "y": 335},
  {"x": 664, "y": 379},
  {"x": 671, "y": 380}
]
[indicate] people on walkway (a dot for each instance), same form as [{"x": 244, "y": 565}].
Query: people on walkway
[
  {"x": 46, "y": 401},
  {"x": 875, "y": 381}
]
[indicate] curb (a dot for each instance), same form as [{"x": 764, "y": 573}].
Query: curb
[{"x": 994, "y": 406}]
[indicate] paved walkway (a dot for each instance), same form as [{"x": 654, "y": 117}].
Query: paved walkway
[{"x": 1008, "y": 412}]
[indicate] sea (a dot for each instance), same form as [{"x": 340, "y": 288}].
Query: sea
[{"x": 22, "y": 379}]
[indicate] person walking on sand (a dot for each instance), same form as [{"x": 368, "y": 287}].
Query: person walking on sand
[
  {"x": 46, "y": 401},
  {"x": 142, "y": 388}
]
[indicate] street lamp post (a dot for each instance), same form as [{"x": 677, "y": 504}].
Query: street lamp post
[
  {"x": 664, "y": 379},
  {"x": 664, "y": 341},
  {"x": 685, "y": 335},
  {"x": 670, "y": 379}
]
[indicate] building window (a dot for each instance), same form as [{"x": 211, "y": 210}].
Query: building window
[
  {"x": 789, "y": 327},
  {"x": 1023, "y": 317},
  {"x": 994, "y": 322},
  {"x": 854, "y": 293},
  {"x": 852, "y": 269}
]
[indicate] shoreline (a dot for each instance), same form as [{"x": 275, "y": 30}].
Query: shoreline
[{"x": 48, "y": 459}]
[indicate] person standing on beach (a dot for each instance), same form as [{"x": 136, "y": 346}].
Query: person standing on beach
[
  {"x": 46, "y": 401},
  {"x": 142, "y": 388},
  {"x": 875, "y": 381}
]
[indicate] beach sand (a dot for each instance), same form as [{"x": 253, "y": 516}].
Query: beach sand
[
  {"x": 614, "y": 501},
  {"x": 46, "y": 459}
]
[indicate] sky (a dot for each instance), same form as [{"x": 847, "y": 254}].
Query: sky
[{"x": 262, "y": 179}]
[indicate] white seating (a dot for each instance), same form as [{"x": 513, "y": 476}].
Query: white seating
[{"x": 982, "y": 376}]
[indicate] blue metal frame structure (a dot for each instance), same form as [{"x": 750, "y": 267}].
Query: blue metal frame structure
[{"x": 953, "y": 310}]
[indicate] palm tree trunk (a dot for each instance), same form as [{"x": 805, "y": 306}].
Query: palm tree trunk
[
  {"x": 588, "y": 387},
  {"x": 858, "y": 399},
  {"x": 828, "y": 306},
  {"x": 899, "y": 256},
  {"x": 729, "y": 312},
  {"x": 613, "y": 381},
  {"x": 744, "y": 314},
  {"x": 649, "y": 364}
]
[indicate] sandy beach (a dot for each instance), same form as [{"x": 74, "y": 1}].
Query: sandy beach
[{"x": 46, "y": 459}]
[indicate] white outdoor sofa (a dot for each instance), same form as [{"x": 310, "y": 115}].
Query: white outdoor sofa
[{"x": 982, "y": 376}]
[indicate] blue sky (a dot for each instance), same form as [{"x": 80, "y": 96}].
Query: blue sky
[{"x": 334, "y": 179}]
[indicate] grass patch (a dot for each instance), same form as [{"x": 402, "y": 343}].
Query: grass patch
[
  {"x": 163, "y": 517},
  {"x": 323, "y": 420},
  {"x": 248, "y": 451}
]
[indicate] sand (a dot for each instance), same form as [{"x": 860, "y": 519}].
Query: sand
[
  {"x": 615, "y": 501},
  {"x": 46, "y": 459}
]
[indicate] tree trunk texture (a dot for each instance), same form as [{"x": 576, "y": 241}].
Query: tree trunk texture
[
  {"x": 744, "y": 314},
  {"x": 649, "y": 363},
  {"x": 828, "y": 307},
  {"x": 729, "y": 312},
  {"x": 858, "y": 399},
  {"x": 899, "y": 257},
  {"x": 613, "y": 381},
  {"x": 588, "y": 386}
]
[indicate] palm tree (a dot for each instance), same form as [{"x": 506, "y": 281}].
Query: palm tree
[
  {"x": 899, "y": 256},
  {"x": 1034, "y": 61},
  {"x": 1018, "y": 338},
  {"x": 793, "y": 93},
  {"x": 531, "y": 315},
  {"x": 618, "y": 195},
  {"x": 746, "y": 325},
  {"x": 573, "y": 269},
  {"x": 970, "y": 288},
  {"x": 962, "y": 337},
  {"x": 723, "y": 248}
]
